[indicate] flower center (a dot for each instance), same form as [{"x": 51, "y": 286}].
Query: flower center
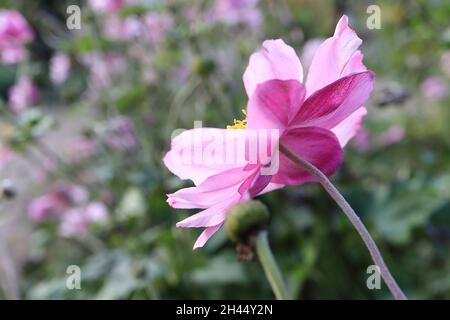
[{"x": 239, "y": 124}]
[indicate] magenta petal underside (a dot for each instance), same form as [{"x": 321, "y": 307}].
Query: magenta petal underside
[
  {"x": 331, "y": 105},
  {"x": 259, "y": 185},
  {"x": 274, "y": 103},
  {"x": 316, "y": 145}
]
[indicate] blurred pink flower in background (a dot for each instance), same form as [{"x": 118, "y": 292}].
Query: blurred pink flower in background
[
  {"x": 6, "y": 156},
  {"x": 362, "y": 140},
  {"x": 192, "y": 13},
  {"x": 42, "y": 208},
  {"x": 390, "y": 136},
  {"x": 234, "y": 12},
  {"x": 76, "y": 221},
  {"x": 103, "y": 68},
  {"x": 120, "y": 134},
  {"x": 70, "y": 206},
  {"x": 14, "y": 25},
  {"x": 112, "y": 27},
  {"x": 118, "y": 28},
  {"x": 14, "y": 33},
  {"x": 106, "y": 6},
  {"x": 22, "y": 95},
  {"x": 132, "y": 27},
  {"x": 314, "y": 120},
  {"x": 82, "y": 148},
  {"x": 58, "y": 200},
  {"x": 59, "y": 68},
  {"x": 434, "y": 88},
  {"x": 151, "y": 28},
  {"x": 156, "y": 26}
]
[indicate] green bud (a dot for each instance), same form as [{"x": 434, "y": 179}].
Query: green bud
[{"x": 246, "y": 219}]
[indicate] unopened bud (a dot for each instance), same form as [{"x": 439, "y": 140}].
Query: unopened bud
[{"x": 246, "y": 219}]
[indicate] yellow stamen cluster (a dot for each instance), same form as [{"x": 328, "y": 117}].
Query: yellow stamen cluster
[{"x": 239, "y": 124}]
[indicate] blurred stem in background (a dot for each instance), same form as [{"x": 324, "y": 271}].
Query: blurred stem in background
[
  {"x": 270, "y": 267},
  {"x": 9, "y": 277},
  {"x": 178, "y": 102},
  {"x": 9, "y": 283},
  {"x": 354, "y": 219}
]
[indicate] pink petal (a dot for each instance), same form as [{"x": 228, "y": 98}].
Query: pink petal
[
  {"x": 259, "y": 185},
  {"x": 212, "y": 191},
  {"x": 332, "y": 58},
  {"x": 218, "y": 194},
  {"x": 199, "y": 153},
  {"x": 96, "y": 212},
  {"x": 347, "y": 129},
  {"x": 276, "y": 60},
  {"x": 210, "y": 217},
  {"x": 333, "y": 104},
  {"x": 354, "y": 64},
  {"x": 274, "y": 103},
  {"x": 317, "y": 145},
  {"x": 205, "y": 235}
]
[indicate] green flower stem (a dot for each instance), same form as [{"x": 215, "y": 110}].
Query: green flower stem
[
  {"x": 270, "y": 267},
  {"x": 354, "y": 219}
]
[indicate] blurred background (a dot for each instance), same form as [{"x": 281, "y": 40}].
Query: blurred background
[{"x": 86, "y": 116}]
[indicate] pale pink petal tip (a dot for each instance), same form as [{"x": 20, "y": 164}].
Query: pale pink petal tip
[
  {"x": 341, "y": 25},
  {"x": 276, "y": 60},
  {"x": 205, "y": 235},
  {"x": 348, "y": 128}
]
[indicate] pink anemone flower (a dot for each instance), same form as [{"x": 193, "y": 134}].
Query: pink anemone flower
[
  {"x": 75, "y": 222},
  {"x": 59, "y": 68},
  {"x": 15, "y": 32},
  {"x": 106, "y": 6},
  {"x": 23, "y": 94},
  {"x": 54, "y": 203},
  {"x": 314, "y": 120}
]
